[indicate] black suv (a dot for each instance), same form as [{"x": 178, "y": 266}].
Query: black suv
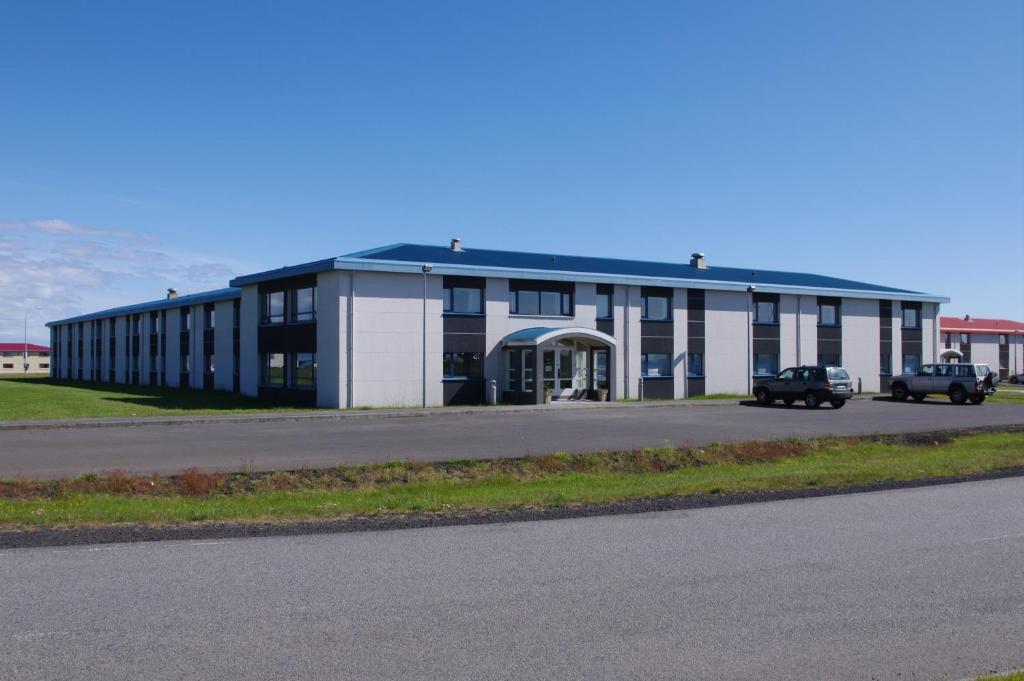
[{"x": 813, "y": 385}]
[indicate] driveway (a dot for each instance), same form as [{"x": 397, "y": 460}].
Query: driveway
[
  {"x": 328, "y": 442},
  {"x": 911, "y": 584}
]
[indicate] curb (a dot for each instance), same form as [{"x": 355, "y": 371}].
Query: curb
[
  {"x": 78, "y": 536},
  {"x": 342, "y": 415}
]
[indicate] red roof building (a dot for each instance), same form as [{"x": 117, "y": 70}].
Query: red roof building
[
  {"x": 20, "y": 347},
  {"x": 971, "y": 324}
]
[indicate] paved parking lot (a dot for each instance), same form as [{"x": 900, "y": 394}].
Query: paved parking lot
[{"x": 323, "y": 443}]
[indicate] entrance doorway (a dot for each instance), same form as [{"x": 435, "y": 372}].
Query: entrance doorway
[
  {"x": 566, "y": 369},
  {"x": 558, "y": 364}
]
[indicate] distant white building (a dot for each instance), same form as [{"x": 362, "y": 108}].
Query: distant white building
[
  {"x": 24, "y": 358},
  {"x": 408, "y": 325},
  {"x": 996, "y": 342}
]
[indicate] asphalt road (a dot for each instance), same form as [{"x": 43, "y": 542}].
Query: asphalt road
[
  {"x": 911, "y": 584},
  {"x": 324, "y": 443}
]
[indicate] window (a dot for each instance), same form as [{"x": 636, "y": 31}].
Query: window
[
  {"x": 695, "y": 364},
  {"x": 766, "y": 365},
  {"x": 186, "y": 319},
  {"x": 654, "y": 365},
  {"x": 604, "y": 305},
  {"x": 885, "y": 364},
  {"x": 926, "y": 370},
  {"x": 764, "y": 312},
  {"x": 657, "y": 307},
  {"x": 211, "y": 318},
  {"x": 911, "y": 320},
  {"x": 210, "y": 364},
  {"x": 965, "y": 339},
  {"x": 828, "y": 314},
  {"x": 303, "y": 370},
  {"x": 547, "y": 300},
  {"x": 1002, "y": 339},
  {"x": 44, "y": 366},
  {"x": 911, "y": 364},
  {"x": 8, "y": 366},
  {"x": 304, "y": 304},
  {"x": 463, "y": 300},
  {"x": 273, "y": 307},
  {"x": 272, "y": 373},
  {"x": 463, "y": 364},
  {"x": 830, "y": 359}
]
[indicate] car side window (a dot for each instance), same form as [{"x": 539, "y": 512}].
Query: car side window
[
  {"x": 802, "y": 375},
  {"x": 926, "y": 370},
  {"x": 943, "y": 370},
  {"x": 786, "y": 375}
]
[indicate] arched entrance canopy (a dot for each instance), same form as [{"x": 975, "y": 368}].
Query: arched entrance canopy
[
  {"x": 952, "y": 355},
  {"x": 541, "y": 363}
]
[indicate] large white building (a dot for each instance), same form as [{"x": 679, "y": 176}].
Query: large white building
[{"x": 407, "y": 325}]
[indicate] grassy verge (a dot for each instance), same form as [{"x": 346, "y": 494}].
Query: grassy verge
[
  {"x": 1009, "y": 676},
  {"x": 1007, "y": 397},
  {"x": 561, "y": 479},
  {"x": 41, "y": 398}
]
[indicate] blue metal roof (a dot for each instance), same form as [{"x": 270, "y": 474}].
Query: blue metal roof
[
  {"x": 162, "y": 304},
  {"x": 550, "y": 262}
]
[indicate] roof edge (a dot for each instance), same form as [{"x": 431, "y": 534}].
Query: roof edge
[{"x": 152, "y": 305}]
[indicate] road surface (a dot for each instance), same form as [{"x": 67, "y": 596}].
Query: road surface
[
  {"x": 911, "y": 584},
  {"x": 325, "y": 443}
]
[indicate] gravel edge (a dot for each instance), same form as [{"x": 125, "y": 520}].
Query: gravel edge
[{"x": 78, "y": 536}]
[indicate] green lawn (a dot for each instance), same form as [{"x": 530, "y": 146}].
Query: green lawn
[
  {"x": 560, "y": 479},
  {"x": 39, "y": 397},
  {"x": 1009, "y": 676}
]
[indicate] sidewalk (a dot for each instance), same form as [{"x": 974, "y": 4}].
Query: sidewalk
[{"x": 341, "y": 415}]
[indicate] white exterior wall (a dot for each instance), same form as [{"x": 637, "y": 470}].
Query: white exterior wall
[
  {"x": 727, "y": 333},
  {"x": 929, "y": 333},
  {"x": 897, "y": 338},
  {"x": 861, "y": 341},
  {"x": 1016, "y": 358},
  {"x": 619, "y": 333},
  {"x": 223, "y": 345},
  {"x": 787, "y": 331},
  {"x": 807, "y": 318},
  {"x": 331, "y": 304},
  {"x": 679, "y": 342},
  {"x": 120, "y": 359},
  {"x": 387, "y": 340},
  {"x": 985, "y": 349},
  {"x": 496, "y": 308},
  {"x": 248, "y": 346}
]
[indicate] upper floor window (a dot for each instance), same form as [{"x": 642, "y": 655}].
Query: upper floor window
[
  {"x": 463, "y": 300},
  {"x": 304, "y": 304},
  {"x": 211, "y": 317},
  {"x": 828, "y": 314},
  {"x": 186, "y": 319},
  {"x": 911, "y": 318},
  {"x": 1002, "y": 339},
  {"x": 965, "y": 339},
  {"x": 273, "y": 307},
  {"x": 765, "y": 312},
  {"x": 655, "y": 305},
  {"x": 550, "y": 299},
  {"x": 604, "y": 305}
]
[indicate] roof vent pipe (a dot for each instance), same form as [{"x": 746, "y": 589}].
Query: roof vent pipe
[
  {"x": 967, "y": 317},
  {"x": 172, "y": 293},
  {"x": 699, "y": 261},
  {"x": 457, "y": 244}
]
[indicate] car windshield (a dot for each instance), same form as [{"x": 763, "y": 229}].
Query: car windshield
[
  {"x": 838, "y": 374},
  {"x": 982, "y": 370}
]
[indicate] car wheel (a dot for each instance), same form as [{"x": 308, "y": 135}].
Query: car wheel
[
  {"x": 811, "y": 400},
  {"x": 957, "y": 395},
  {"x": 1014, "y": 380},
  {"x": 977, "y": 399},
  {"x": 838, "y": 404},
  {"x": 763, "y": 398},
  {"x": 918, "y": 396},
  {"x": 900, "y": 392},
  {"x": 788, "y": 401}
]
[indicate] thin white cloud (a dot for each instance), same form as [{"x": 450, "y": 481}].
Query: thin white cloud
[{"x": 52, "y": 269}]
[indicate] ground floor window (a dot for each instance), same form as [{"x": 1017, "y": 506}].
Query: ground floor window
[
  {"x": 885, "y": 364},
  {"x": 272, "y": 373},
  {"x": 695, "y": 364},
  {"x": 463, "y": 365},
  {"x": 911, "y": 363},
  {"x": 766, "y": 365},
  {"x": 303, "y": 370},
  {"x": 655, "y": 365},
  {"x": 830, "y": 360}
]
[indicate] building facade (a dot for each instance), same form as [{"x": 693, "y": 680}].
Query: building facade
[
  {"x": 408, "y": 325},
  {"x": 24, "y": 358},
  {"x": 998, "y": 343}
]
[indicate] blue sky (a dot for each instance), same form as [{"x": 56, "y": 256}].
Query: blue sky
[{"x": 147, "y": 145}]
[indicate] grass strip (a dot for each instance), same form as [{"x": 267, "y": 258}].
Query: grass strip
[
  {"x": 30, "y": 398},
  {"x": 1009, "y": 676},
  {"x": 555, "y": 480}
]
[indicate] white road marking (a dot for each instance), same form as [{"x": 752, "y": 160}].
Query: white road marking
[{"x": 1003, "y": 536}]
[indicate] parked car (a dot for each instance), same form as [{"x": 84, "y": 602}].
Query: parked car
[
  {"x": 961, "y": 382},
  {"x": 814, "y": 385},
  {"x": 1017, "y": 378}
]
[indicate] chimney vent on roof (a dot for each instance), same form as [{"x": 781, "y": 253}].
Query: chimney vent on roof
[
  {"x": 172, "y": 293},
  {"x": 699, "y": 261},
  {"x": 457, "y": 244},
  {"x": 967, "y": 317}
]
